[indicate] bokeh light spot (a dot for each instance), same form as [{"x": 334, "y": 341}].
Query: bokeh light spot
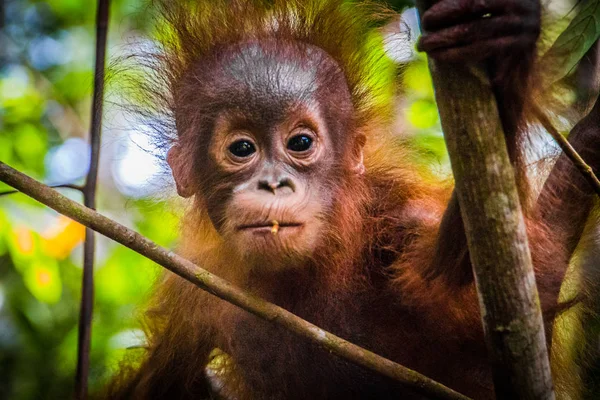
[
  {"x": 14, "y": 83},
  {"x": 43, "y": 281},
  {"x": 137, "y": 170},
  {"x": 69, "y": 161},
  {"x": 24, "y": 240},
  {"x": 62, "y": 237}
]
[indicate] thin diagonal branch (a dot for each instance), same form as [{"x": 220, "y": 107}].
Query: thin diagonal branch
[
  {"x": 89, "y": 198},
  {"x": 582, "y": 166},
  {"x": 223, "y": 289}
]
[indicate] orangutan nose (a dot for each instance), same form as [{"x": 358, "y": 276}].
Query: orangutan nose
[{"x": 276, "y": 185}]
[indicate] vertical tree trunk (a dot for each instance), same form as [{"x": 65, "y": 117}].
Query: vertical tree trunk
[{"x": 495, "y": 230}]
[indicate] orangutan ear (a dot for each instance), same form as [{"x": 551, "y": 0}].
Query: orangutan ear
[
  {"x": 181, "y": 173},
  {"x": 358, "y": 154}
]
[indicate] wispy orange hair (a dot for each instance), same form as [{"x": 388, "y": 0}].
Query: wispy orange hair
[{"x": 193, "y": 30}]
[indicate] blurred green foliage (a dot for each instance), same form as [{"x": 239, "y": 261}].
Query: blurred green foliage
[
  {"x": 46, "y": 56},
  {"x": 45, "y": 100}
]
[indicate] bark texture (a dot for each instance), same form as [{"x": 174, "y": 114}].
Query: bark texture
[{"x": 495, "y": 229}]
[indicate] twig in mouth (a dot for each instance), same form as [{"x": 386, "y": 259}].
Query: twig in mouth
[{"x": 275, "y": 227}]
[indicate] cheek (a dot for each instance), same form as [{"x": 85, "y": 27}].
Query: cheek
[
  {"x": 218, "y": 192},
  {"x": 217, "y": 202},
  {"x": 217, "y": 214}
]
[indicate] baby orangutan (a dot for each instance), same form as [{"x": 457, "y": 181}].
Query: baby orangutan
[{"x": 300, "y": 194}]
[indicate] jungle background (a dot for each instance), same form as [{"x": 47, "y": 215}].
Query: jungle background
[{"x": 46, "y": 79}]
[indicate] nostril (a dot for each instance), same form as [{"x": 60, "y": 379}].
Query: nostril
[
  {"x": 268, "y": 186},
  {"x": 273, "y": 186},
  {"x": 287, "y": 182}
]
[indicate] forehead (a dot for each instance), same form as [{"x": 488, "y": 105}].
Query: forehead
[
  {"x": 281, "y": 73},
  {"x": 268, "y": 78}
]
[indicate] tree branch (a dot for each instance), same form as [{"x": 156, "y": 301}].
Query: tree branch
[
  {"x": 582, "y": 166},
  {"x": 221, "y": 288},
  {"x": 66, "y": 186},
  {"x": 495, "y": 229},
  {"x": 89, "y": 198}
]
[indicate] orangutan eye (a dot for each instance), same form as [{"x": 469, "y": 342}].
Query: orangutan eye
[
  {"x": 242, "y": 148},
  {"x": 300, "y": 143}
]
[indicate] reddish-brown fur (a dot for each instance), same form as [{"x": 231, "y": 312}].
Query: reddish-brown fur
[{"x": 381, "y": 276}]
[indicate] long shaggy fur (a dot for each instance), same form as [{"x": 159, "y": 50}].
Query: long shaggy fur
[{"x": 370, "y": 280}]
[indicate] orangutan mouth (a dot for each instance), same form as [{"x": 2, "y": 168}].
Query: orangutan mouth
[{"x": 272, "y": 226}]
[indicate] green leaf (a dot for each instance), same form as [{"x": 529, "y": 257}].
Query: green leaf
[{"x": 574, "y": 42}]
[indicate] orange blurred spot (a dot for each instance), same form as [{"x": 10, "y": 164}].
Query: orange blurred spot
[
  {"x": 61, "y": 238},
  {"x": 24, "y": 239},
  {"x": 43, "y": 277}
]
